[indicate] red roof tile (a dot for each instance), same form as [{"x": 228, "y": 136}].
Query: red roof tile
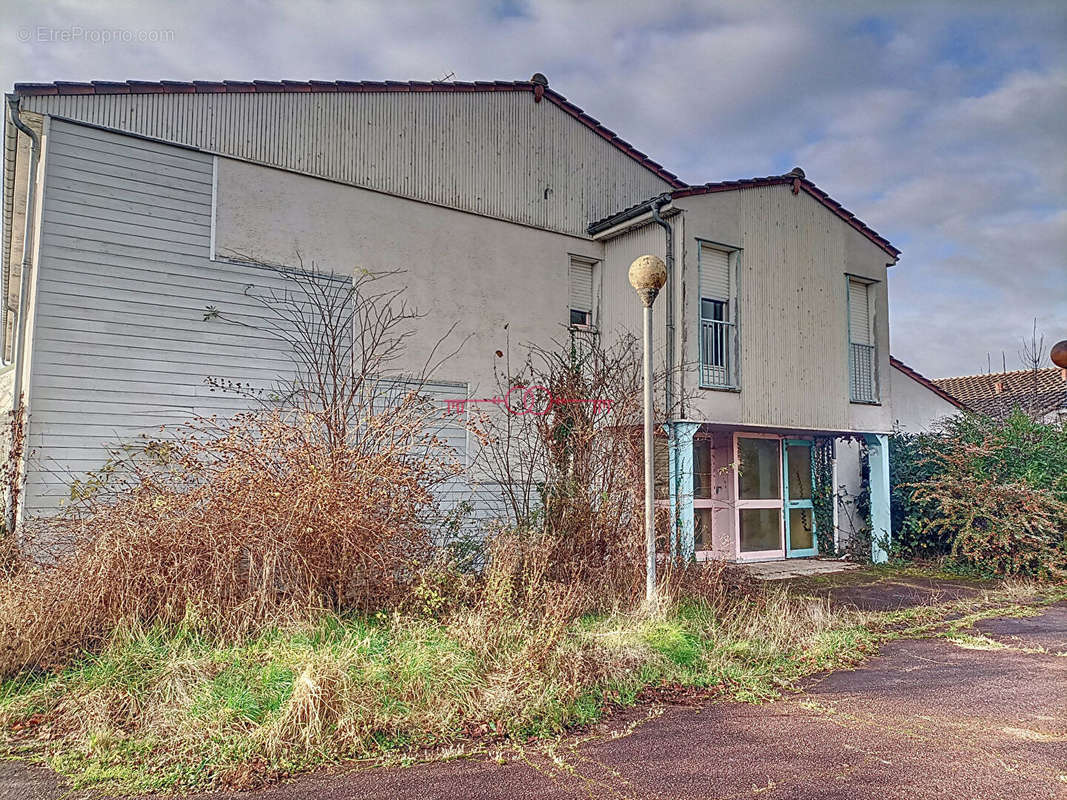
[{"x": 1035, "y": 391}]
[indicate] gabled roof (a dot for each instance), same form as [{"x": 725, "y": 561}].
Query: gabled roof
[
  {"x": 929, "y": 384},
  {"x": 794, "y": 178},
  {"x": 539, "y": 91},
  {"x": 799, "y": 182},
  {"x": 1036, "y": 391},
  {"x": 538, "y": 86}
]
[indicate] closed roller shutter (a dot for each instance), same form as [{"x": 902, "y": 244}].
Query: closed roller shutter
[
  {"x": 859, "y": 313},
  {"x": 581, "y": 283},
  {"x": 714, "y": 273}
]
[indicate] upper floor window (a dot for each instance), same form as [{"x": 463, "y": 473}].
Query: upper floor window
[
  {"x": 862, "y": 358},
  {"x": 581, "y": 291},
  {"x": 718, "y": 317}
]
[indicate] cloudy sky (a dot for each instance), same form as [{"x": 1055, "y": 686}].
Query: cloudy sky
[{"x": 942, "y": 125}]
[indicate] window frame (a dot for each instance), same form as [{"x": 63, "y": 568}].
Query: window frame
[
  {"x": 708, "y": 503},
  {"x": 732, "y": 314},
  {"x": 590, "y": 314},
  {"x": 876, "y": 396},
  {"x": 740, "y": 505}
]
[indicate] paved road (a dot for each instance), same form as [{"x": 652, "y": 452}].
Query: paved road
[{"x": 925, "y": 719}]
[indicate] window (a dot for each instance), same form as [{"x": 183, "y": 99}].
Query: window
[
  {"x": 581, "y": 291},
  {"x": 703, "y": 494},
  {"x": 718, "y": 329},
  {"x": 661, "y": 460},
  {"x": 862, "y": 359}
]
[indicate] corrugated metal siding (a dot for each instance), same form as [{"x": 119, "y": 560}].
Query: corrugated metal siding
[
  {"x": 793, "y": 349},
  {"x": 499, "y": 154},
  {"x": 121, "y": 343}
]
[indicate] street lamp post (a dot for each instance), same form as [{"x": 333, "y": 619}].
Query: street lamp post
[{"x": 647, "y": 276}]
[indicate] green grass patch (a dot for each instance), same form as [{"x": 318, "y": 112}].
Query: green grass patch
[{"x": 166, "y": 710}]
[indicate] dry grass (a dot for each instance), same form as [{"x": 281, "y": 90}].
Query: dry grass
[
  {"x": 164, "y": 708},
  {"x": 262, "y": 522}
]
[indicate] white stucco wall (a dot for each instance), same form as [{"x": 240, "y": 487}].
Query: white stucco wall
[
  {"x": 915, "y": 407},
  {"x": 496, "y": 281}
]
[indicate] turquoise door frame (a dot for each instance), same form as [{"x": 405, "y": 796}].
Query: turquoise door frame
[
  {"x": 680, "y": 466},
  {"x": 881, "y": 525},
  {"x": 787, "y": 504}
]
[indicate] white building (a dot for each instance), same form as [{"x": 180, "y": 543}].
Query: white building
[{"x": 504, "y": 203}]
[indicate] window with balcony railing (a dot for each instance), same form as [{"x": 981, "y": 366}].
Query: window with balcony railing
[
  {"x": 718, "y": 328},
  {"x": 862, "y": 358},
  {"x": 861, "y": 372}
]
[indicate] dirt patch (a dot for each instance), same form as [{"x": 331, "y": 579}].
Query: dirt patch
[
  {"x": 870, "y": 590},
  {"x": 22, "y": 781},
  {"x": 1048, "y": 631}
]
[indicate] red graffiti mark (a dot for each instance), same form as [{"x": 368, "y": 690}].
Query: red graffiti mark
[{"x": 522, "y": 400}]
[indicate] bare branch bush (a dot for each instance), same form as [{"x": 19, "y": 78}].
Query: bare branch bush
[
  {"x": 14, "y": 444},
  {"x": 1034, "y": 358},
  {"x": 566, "y": 453},
  {"x": 320, "y": 499}
]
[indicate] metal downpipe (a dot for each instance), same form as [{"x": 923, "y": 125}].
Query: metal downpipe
[
  {"x": 669, "y": 260},
  {"x": 27, "y": 250},
  {"x": 658, "y": 203}
]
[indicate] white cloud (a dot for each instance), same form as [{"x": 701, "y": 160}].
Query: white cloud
[{"x": 941, "y": 124}]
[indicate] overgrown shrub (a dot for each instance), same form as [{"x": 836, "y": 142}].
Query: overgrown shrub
[
  {"x": 266, "y": 520},
  {"x": 910, "y": 464},
  {"x": 992, "y": 493},
  {"x": 569, "y": 465}
]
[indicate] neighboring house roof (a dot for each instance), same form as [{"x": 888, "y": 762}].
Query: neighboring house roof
[
  {"x": 794, "y": 177},
  {"x": 918, "y": 377},
  {"x": 538, "y": 89},
  {"x": 1035, "y": 391}
]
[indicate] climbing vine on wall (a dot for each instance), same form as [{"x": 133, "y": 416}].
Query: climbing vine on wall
[
  {"x": 860, "y": 544},
  {"x": 824, "y": 493}
]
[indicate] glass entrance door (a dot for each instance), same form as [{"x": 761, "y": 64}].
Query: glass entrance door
[
  {"x": 799, "y": 512},
  {"x": 758, "y": 460}
]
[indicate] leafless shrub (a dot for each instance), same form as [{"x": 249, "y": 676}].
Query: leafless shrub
[
  {"x": 567, "y": 456},
  {"x": 320, "y": 499},
  {"x": 15, "y": 446}
]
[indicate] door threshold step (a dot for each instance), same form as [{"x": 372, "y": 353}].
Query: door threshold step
[{"x": 780, "y": 570}]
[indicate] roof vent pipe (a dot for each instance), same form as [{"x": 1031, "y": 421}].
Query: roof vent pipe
[{"x": 540, "y": 83}]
